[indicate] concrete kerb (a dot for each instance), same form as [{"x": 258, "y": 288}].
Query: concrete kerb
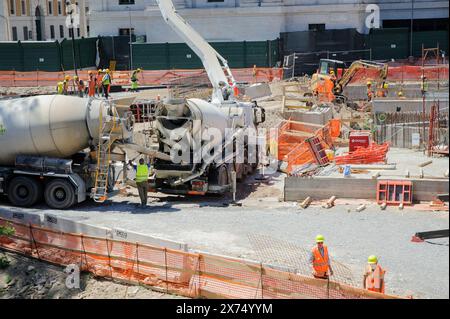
[
  {"x": 74, "y": 227},
  {"x": 21, "y": 217},
  {"x": 125, "y": 235}
]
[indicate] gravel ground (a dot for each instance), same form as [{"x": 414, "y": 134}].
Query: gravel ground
[{"x": 418, "y": 269}]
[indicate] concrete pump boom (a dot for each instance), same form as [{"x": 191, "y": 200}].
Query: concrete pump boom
[{"x": 210, "y": 58}]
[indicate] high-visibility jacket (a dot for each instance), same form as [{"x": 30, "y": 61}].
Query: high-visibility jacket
[
  {"x": 375, "y": 279},
  {"x": 321, "y": 264},
  {"x": 60, "y": 87},
  {"x": 106, "y": 80},
  {"x": 424, "y": 86},
  {"x": 141, "y": 173},
  {"x": 92, "y": 80}
]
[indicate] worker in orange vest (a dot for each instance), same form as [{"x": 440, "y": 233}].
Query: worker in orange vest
[
  {"x": 374, "y": 275},
  {"x": 369, "y": 91},
  {"x": 92, "y": 83},
  {"x": 320, "y": 260}
]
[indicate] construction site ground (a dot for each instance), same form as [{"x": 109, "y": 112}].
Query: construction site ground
[{"x": 215, "y": 225}]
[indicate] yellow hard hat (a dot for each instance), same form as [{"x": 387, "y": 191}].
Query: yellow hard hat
[
  {"x": 107, "y": 71},
  {"x": 320, "y": 239},
  {"x": 386, "y": 85},
  {"x": 331, "y": 72},
  {"x": 372, "y": 259},
  {"x": 75, "y": 77},
  {"x": 139, "y": 69},
  {"x": 67, "y": 77},
  {"x": 400, "y": 93},
  {"x": 369, "y": 82}
]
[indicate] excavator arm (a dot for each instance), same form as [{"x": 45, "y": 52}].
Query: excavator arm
[
  {"x": 213, "y": 62},
  {"x": 354, "y": 67}
]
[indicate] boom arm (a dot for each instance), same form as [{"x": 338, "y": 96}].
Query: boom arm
[
  {"x": 210, "y": 58},
  {"x": 354, "y": 67}
]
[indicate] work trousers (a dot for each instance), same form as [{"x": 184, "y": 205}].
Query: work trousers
[{"x": 143, "y": 192}]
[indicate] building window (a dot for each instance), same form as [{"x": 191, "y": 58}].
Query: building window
[
  {"x": 24, "y": 9},
  {"x": 316, "y": 27},
  {"x": 126, "y": 31},
  {"x": 52, "y": 32},
  {"x": 12, "y": 5},
  {"x": 25, "y": 33},
  {"x": 50, "y": 7},
  {"x": 14, "y": 33},
  {"x": 59, "y": 7},
  {"x": 61, "y": 31},
  {"x": 126, "y": 2}
]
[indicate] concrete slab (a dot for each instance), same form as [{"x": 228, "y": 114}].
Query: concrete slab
[
  {"x": 297, "y": 188},
  {"x": 386, "y": 105}
]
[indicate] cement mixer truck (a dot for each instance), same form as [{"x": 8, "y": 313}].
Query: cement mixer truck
[
  {"x": 203, "y": 164},
  {"x": 59, "y": 149}
]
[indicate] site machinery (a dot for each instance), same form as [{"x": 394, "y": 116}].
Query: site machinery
[
  {"x": 178, "y": 120},
  {"x": 60, "y": 148}
]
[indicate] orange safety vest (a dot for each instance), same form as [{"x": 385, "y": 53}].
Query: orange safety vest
[
  {"x": 92, "y": 83},
  {"x": 375, "y": 279},
  {"x": 320, "y": 263}
]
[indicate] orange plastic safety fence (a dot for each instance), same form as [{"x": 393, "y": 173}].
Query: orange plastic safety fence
[
  {"x": 371, "y": 155},
  {"x": 152, "y": 77},
  {"x": 404, "y": 73},
  {"x": 189, "y": 274}
]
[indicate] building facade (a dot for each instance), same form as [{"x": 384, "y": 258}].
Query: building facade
[
  {"x": 44, "y": 20},
  {"x": 257, "y": 20}
]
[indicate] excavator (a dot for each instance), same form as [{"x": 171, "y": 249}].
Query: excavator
[{"x": 332, "y": 77}]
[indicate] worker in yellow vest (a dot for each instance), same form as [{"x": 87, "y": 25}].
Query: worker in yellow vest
[
  {"x": 424, "y": 85},
  {"x": 60, "y": 87},
  {"x": 66, "y": 85},
  {"x": 142, "y": 175},
  {"x": 374, "y": 275},
  {"x": 320, "y": 260},
  {"x": 106, "y": 82}
]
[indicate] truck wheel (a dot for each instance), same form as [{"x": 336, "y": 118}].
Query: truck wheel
[
  {"x": 24, "y": 191},
  {"x": 59, "y": 194}
]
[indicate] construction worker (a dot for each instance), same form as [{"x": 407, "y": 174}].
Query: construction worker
[
  {"x": 374, "y": 275},
  {"x": 424, "y": 85},
  {"x": 106, "y": 83},
  {"x": 226, "y": 91},
  {"x": 134, "y": 80},
  {"x": 369, "y": 91},
  {"x": 60, "y": 87},
  {"x": 320, "y": 260},
  {"x": 91, "y": 84},
  {"x": 142, "y": 175},
  {"x": 98, "y": 82},
  {"x": 66, "y": 85},
  {"x": 383, "y": 91},
  {"x": 79, "y": 85}
]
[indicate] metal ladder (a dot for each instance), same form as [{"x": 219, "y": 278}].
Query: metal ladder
[{"x": 106, "y": 137}]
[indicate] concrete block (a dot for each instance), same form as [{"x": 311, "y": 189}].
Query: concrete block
[
  {"x": 257, "y": 91},
  {"x": 125, "y": 235},
  {"x": 314, "y": 117},
  {"x": 74, "y": 227},
  {"x": 21, "y": 217}
]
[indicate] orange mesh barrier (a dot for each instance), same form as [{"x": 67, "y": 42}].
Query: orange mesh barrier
[
  {"x": 188, "y": 274},
  {"x": 404, "y": 73},
  {"x": 371, "y": 155},
  {"x": 157, "y": 77}
]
